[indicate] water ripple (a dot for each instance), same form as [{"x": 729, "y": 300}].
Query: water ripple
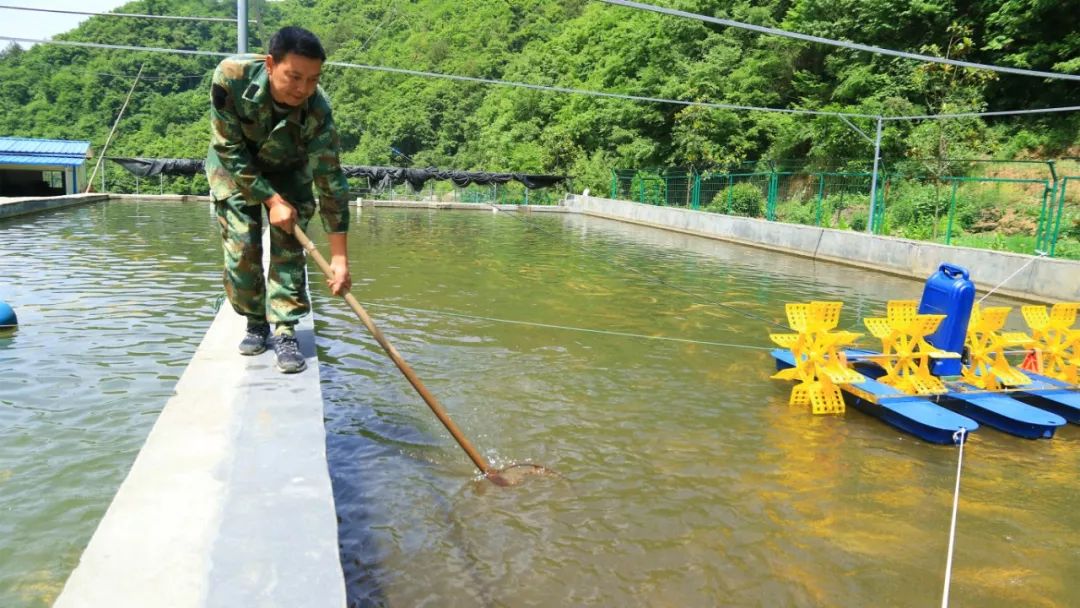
[
  {"x": 689, "y": 481},
  {"x": 112, "y": 304}
]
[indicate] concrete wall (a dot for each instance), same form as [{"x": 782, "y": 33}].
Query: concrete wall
[
  {"x": 1026, "y": 277},
  {"x": 11, "y": 207},
  {"x": 179, "y": 198}
]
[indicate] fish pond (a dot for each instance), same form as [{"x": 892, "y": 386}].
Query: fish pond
[{"x": 631, "y": 360}]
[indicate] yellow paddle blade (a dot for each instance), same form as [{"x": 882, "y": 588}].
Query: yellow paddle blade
[
  {"x": 987, "y": 366},
  {"x": 1055, "y": 344},
  {"x": 819, "y": 361},
  {"x": 784, "y": 340},
  {"x": 826, "y": 398},
  {"x": 905, "y": 353}
]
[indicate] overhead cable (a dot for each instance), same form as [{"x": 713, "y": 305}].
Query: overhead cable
[
  {"x": 117, "y": 47},
  {"x": 981, "y": 114},
  {"x": 839, "y": 43},
  {"x": 67, "y": 12},
  {"x": 539, "y": 87},
  {"x": 172, "y": 77},
  {"x": 508, "y": 83}
]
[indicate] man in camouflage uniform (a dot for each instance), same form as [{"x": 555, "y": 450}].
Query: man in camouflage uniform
[{"x": 272, "y": 137}]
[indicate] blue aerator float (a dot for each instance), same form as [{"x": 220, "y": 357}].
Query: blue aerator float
[
  {"x": 8, "y": 320},
  {"x": 942, "y": 365}
]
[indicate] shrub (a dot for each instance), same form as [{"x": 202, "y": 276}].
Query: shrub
[
  {"x": 798, "y": 213},
  {"x": 858, "y": 222},
  {"x": 746, "y": 200}
]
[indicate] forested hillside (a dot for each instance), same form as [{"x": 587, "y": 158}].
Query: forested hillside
[{"x": 75, "y": 93}]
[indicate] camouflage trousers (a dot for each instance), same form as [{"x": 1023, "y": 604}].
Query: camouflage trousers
[{"x": 281, "y": 298}]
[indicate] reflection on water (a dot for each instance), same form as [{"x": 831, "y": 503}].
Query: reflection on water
[
  {"x": 112, "y": 301},
  {"x": 689, "y": 480}
]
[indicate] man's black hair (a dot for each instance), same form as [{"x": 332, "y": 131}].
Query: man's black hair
[{"x": 297, "y": 40}]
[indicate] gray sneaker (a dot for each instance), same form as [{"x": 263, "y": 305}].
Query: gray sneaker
[
  {"x": 254, "y": 341},
  {"x": 287, "y": 353}
]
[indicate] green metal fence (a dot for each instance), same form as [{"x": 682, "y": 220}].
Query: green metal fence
[
  {"x": 760, "y": 194},
  {"x": 1016, "y": 214}
]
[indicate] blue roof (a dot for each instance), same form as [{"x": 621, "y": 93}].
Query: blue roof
[{"x": 26, "y": 151}]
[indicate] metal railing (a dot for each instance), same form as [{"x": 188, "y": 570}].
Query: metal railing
[{"x": 1022, "y": 214}]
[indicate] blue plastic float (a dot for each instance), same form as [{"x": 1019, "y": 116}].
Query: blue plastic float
[{"x": 7, "y": 316}]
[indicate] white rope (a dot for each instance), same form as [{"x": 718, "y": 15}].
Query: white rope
[
  {"x": 840, "y": 43},
  {"x": 1039, "y": 254},
  {"x": 566, "y": 327},
  {"x": 959, "y": 438},
  {"x": 654, "y": 278}
]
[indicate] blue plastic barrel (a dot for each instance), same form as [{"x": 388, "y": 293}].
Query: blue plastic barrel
[
  {"x": 7, "y": 316},
  {"x": 948, "y": 292}
]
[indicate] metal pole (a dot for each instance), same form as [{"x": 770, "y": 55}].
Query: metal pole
[
  {"x": 241, "y": 26},
  {"x": 952, "y": 213},
  {"x": 1057, "y": 222},
  {"x": 873, "y": 179},
  {"x": 1042, "y": 233},
  {"x": 820, "y": 197}
]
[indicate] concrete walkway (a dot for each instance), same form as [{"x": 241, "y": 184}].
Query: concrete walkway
[{"x": 229, "y": 502}]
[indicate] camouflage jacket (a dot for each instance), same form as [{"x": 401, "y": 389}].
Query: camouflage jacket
[{"x": 246, "y": 146}]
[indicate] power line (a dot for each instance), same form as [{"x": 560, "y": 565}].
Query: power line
[
  {"x": 173, "y": 77},
  {"x": 556, "y": 89},
  {"x": 66, "y": 12},
  {"x": 117, "y": 47},
  {"x": 392, "y": 11},
  {"x": 168, "y": 77},
  {"x": 982, "y": 114},
  {"x": 508, "y": 83},
  {"x": 839, "y": 43}
]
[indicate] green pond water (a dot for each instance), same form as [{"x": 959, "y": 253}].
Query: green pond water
[{"x": 687, "y": 480}]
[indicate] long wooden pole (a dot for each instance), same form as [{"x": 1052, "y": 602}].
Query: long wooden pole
[{"x": 413, "y": 379}]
